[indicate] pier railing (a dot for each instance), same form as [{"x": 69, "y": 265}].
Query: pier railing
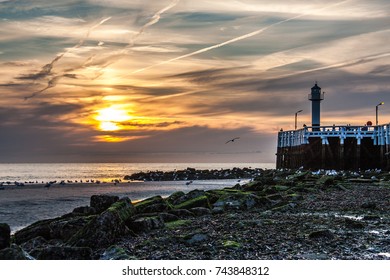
[{"x": 379, "y": 134}]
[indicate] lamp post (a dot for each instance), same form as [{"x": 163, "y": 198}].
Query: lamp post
[
  {"x": 376, "y": 111},
  {"x": 296, "y": 117}
]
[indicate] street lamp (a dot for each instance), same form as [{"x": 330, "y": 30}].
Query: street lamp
[
  {"x": 376, "y": 111},
  {"x": 296, "y": 116}
]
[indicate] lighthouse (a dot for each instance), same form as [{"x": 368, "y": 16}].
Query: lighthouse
[{"x": 316, "y": 97}]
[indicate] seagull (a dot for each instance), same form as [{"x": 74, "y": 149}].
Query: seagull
[{"x": 232, "y": 140}]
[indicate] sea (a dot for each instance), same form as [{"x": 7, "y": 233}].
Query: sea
[{"x": 25, "y": 204}]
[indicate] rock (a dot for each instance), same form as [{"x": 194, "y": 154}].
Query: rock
[
  {"x": 231, "y": 244},
  {"x": 314, "y": 256},
  {"x": 238, "y": 200},
  {"x": 116, "y": 253},
  {"x": 146, "y": 224},
  {"x": 62, "y": 253},
  {"x": 40, "y": 228},
  {"x": 37, "y": 242},
  {"x": 353, "y": 224},
  {"x": 369, "y": 205},
  {"x": 200, "y": 201},
  {"x": 5, "y": 236},
  {"x": 194, "y": 194},
  {"x": 152, "y": 205},
  {"x": 200, "y": 211},
  {"x": 371, "y": 217},
  {"x": 85, "y": 210},
  {"x": 181, "y": 213},
  {"x": 14, "y": 252},
  {"x": 65, "y": 229},
  {"x": 325, "y": 181},
  {"x": 196, "y": 238},
  {"x": 102, "y": 202},
  {"x": 102, "y": 230},
  {"x": 174, "y": 197},
  {"x": 321, "y": 234},
  {"x": 167, "y": 217}
]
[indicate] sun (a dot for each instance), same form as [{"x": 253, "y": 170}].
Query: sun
[{"x": 110, "y": 118}]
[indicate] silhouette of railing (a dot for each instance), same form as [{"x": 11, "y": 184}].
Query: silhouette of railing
[{"x": 379, "y": 134}]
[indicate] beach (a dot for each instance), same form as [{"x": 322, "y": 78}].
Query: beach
[{"x": 279, "y": 215}]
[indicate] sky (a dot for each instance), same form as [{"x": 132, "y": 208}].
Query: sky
[{"x": 174, "y": 80}]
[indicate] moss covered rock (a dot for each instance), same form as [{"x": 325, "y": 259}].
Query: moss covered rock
[
  {"x": 200, "y": 201},
  {"x": 152, "y": 205},
  {"x": 102, "y": 230}
]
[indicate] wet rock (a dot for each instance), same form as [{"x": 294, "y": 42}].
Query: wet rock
[
  {"x": 167, "y": 217},
  {"x": 200, "y": 211},
  {"x": 152, "y": 205},
  {"x": 102, "y": 202},
  {"x": 193, "y": 202},
  {"x": 5, "y": 236},
  {"x": 181, "y": 213},
  {"x": 196, "y": 238},
  {"x": 353, "y": 224},
  {"x": 14, "y": 252},
  {"x": 65, "y": 229},
  {"x": 174, "y": 197},
  {"x": 102, "y": 230},
  {"x": 146, "y": 224},
  {"x": 62, "y": 253},
  {"x": 369, "y": 205},
  {"x": 239, "y": 200},
  {"x": 321, "y": 234},
  {"x": 85, "y": 210},
  {"x": 40, "y": 228},
  {"x": 116, "y": 253},
  {"x": 371, "y": 218}
]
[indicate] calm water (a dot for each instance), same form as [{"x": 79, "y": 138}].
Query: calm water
[
  {"x": 100, "y": 171},
  {"x": 21, "y": 206}
]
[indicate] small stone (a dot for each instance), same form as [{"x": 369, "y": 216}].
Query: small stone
[
  {"x": 353, "y": 224},
  {"x": 197, "y": 238},
  {"x": 321, "y": 234}
]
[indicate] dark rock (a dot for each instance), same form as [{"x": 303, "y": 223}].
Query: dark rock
[
  {"x": 181, "y": 213},
  {"x": 325, "y": 181},
  {"x": 353, "y": 224},
  {"x": 152, "y": 205},
  {"x": 321, "y": 234},
  {"x": 371, "y": 218},
  {"x": 146, "y": 224},
  {"x": 5, "y": 236},
  {"x": 238, "y": 200},
  {"x": 40, "y": 228},
  {"x": 167, "y": 217},
  {"x": 102, "y": 202},
  {"x": 174, "y": 197},
  {"x": 116, "y": 253},
  {"x": 102, "y": 230},
  {"x": 200, "y": 201},
  {"x": 65, "y": 229},
  {"x": 369, "y": 205},
  {"x": 37, "y": 242},
  {"x": 196, "y": 239},
  {"x": 14, "y": 252},
  {"x": 200, "y": 211},
  {"x": 62, "y": 253},
  {"x": 192, "y": 195},
  {"x": 85, "y": 210}
]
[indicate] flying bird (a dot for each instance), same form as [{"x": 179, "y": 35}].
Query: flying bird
[{"x": 232, "y": 140}]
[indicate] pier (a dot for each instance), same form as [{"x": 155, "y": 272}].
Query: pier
[{"x": 335, "y": 147}]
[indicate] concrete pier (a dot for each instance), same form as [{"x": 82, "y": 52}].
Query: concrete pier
[{"x": 335, "y": 147}]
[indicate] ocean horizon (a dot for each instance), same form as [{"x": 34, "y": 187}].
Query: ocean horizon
[{"x": 105, "y": 172}]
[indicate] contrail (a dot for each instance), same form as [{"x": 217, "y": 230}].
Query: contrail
[
  {"x": 156, "y": 18},
  {"x": 46, "y": 70},
  {"x": 254, "y": 33}
]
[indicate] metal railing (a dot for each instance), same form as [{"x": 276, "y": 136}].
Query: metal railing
[{"x": 379, "y": 134}]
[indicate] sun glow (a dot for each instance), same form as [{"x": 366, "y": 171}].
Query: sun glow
[{"x": 110, "y": 118}]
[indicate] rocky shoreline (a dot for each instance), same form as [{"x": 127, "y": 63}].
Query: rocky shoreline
[{"x": 280, "y": 214}]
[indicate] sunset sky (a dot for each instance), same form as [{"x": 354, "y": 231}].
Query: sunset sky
[{"x": 172, "y": 81}]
